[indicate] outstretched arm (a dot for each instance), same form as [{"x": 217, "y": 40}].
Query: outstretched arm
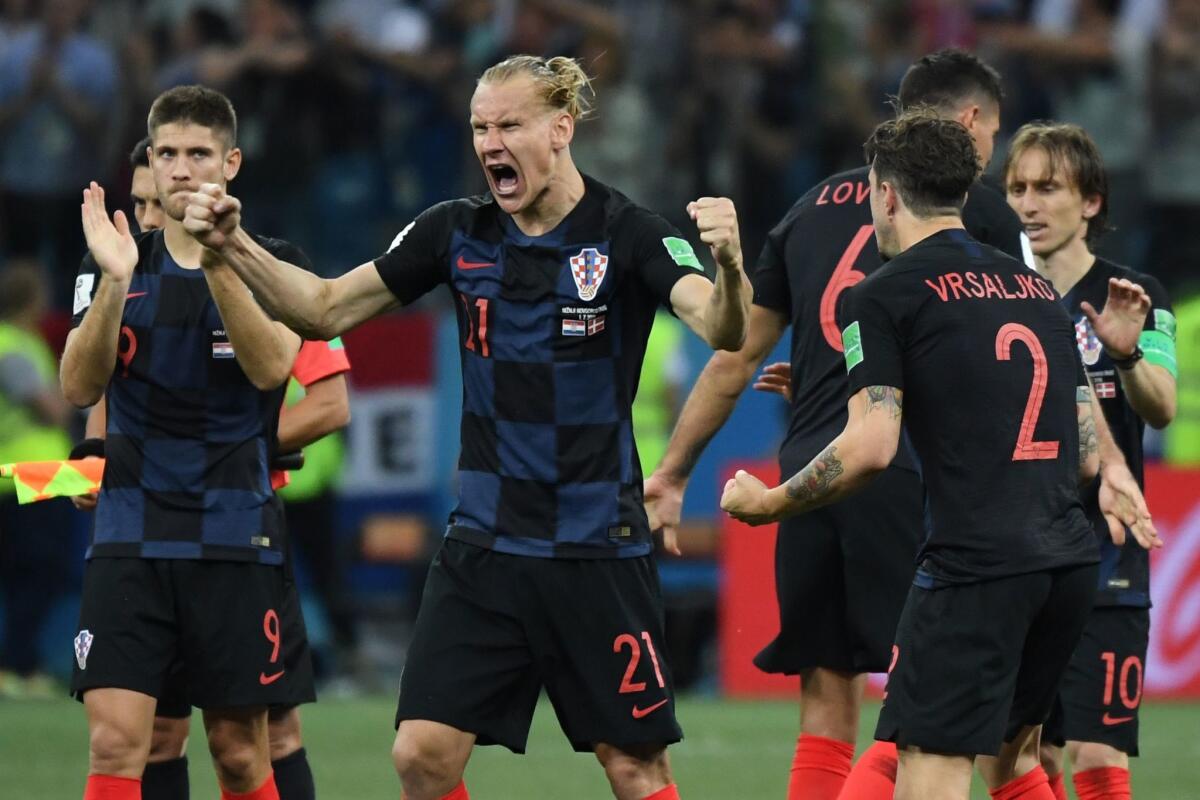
[
  {"x": 314, "y": 307},
  {"x": 863, "y": 449}
]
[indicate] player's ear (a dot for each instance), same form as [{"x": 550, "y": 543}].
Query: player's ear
[
  {"x": 233, "y": 163},
  {"x": 968, "y": 116},
  {"x": 1091, "y": 205},
  {"x": 562, "y": 130}
]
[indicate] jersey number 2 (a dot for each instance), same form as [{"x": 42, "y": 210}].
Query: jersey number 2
[{"x": 1027, "y": 449}]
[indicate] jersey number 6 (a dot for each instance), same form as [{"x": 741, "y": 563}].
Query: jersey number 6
[
  {"x": 1027, "y": 449},
  {"x": 843, "y": 277}
]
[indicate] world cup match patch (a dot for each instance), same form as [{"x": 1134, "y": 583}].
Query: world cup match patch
[
  {"x": 83, "y": 645},
  {"x": 852, "y": 346},
  {"x": 681, "y": 252},
  {"x": 83, "y": 292}
]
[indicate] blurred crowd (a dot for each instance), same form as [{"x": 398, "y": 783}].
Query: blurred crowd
[{"x": 353, "y": 114}]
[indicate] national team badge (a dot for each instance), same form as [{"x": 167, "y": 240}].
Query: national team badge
[
  {"x": 83, "y": 645},
  {"x": 588, "y": 268},
  {"x": 222, "y": 350},
  {"x": 1089, "y": 346}
]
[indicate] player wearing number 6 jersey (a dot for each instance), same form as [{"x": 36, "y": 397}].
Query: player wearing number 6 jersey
[
  {"x": 545, "y": 578},
  {"x": 854, "y": 561},
  {"x": 1057, "y": 183},
  {"x": 973, "y": 352}
]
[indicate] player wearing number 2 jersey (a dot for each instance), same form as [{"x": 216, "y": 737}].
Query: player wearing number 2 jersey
[
  {"x": 971, "y": 350},
  {"x": 852, "y": 561}
]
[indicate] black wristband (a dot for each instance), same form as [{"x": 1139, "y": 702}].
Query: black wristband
[{"x": 1128, "y": 363}]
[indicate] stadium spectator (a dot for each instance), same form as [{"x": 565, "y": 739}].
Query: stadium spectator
[{"x": 56, "y": 82}]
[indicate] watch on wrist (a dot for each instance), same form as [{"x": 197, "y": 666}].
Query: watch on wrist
[{"x": 1129, "y": 361}]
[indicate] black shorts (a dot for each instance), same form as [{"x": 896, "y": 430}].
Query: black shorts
[
  {"x": 841, "y": 576},
  {"x": 220, "y": 620},
  {"x": 494, "y": 629},
  {"x": 1102, "y": 690},
  {"x": 294, "y": 655},
  {"x": 975, "y": 663}
]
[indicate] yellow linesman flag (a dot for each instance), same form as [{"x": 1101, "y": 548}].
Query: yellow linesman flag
[{"x": 43, "y": 480}]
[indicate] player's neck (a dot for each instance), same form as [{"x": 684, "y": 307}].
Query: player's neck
[
  {"x": 560, "y": 196},
  {"x": 184, "y": 249},
  {"x": 919, "y": 229},
  {"x": 1066, "y": 266}
]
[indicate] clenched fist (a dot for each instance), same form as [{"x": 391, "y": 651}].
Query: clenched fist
[
  {"x": 716, "y": 219},
  {"x": 212, "y": 216}
]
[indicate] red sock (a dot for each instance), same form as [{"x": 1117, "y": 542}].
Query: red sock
[
  {"x": 874, "y": 776},
  {"x": 265, "y": 792},
  {"x": 819, "y": 768},
  {"x": 668, "y": 793},
  {"x": 110, "y": 787},
  {"x": 1058, "y": 786},
  {"x": 1033, "y": 785},
  {"x": 1104, "y": 783}
]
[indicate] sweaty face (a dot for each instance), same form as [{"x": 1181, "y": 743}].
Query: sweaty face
[
  {"x": 514, "y": 141},
  {"x": 185, "y": 156},
  {"x": 885, "y": 231},
  {"x": 1051, "y": 209},
  {"x": 147, "y": 210}
]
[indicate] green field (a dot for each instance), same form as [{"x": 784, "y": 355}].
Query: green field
[{"x": 733, "y": 750}]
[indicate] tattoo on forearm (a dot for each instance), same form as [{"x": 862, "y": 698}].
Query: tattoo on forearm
[
  {"x": 1089, "y": 442},
  {"x": 815, "y": 480},
  {"x": 886, "y": 398}
]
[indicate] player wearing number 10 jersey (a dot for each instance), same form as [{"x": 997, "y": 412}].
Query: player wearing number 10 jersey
[
  {"x": 972, "y": 352},
  {"x": 853, "y": 561}
]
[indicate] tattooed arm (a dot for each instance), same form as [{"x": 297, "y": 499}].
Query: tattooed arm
[
  {"x": 1089, "y": 444},
  {"x": 866, "y": 447}
]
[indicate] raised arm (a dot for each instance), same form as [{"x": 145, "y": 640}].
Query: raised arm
[
  {"x": 862, "y": 450},
  {"x": 708, "y": 406},
  {"x": 314, "y": 307},
  {"x": 717, "y": 313},
  {"x": 91, "y": 349},
  {"x": 1149, "y": 382}
]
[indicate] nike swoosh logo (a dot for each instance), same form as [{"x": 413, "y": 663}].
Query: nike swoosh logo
[
  {"x": 267, "y": 680},
  {"x": 1109, "y": 719},
  {"x": 464, "y": 264},
  {"x": 135, "y": 294},
  {"x": 638, "y": 713}
]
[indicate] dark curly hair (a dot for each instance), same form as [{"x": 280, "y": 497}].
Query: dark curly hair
[
  {"x": 1073, "y": 157},
  {"x": 931, "y": 161}
]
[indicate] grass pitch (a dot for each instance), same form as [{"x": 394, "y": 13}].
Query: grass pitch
[{"x": 733, "y": 751}]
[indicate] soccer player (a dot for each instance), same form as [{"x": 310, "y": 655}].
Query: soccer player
[
  {"x": 192, "y": 373},
  {"x": 1057, "y": 183},
  {"x": 325, "y": 407},
  {"x": 999, "y": 415},
  {"x": 853, "y": 560},
  {"x": 545, "y": 577}
]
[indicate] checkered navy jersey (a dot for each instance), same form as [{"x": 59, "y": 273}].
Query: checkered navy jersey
[
  {"x": 189, "y": 438},
  {"x": 553, "y": 330}
]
